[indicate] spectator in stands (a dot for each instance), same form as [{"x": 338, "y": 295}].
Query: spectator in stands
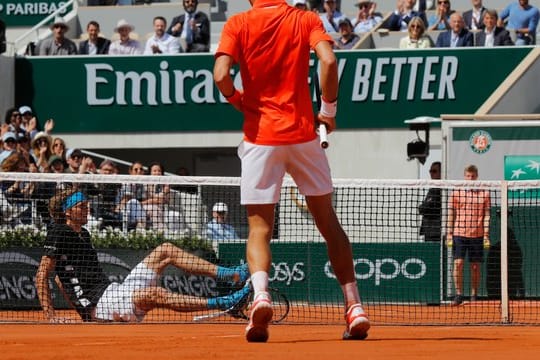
[
  {"x": 367, "y": 17},
  {"x": 522, "y": 19},
  {"x": 492, "y": 35},
  {"x": 441, "y": 19},
  {"x": 157, "y": 197},
  {"x": 468, "y": 232},
  {"x": 430, "y": 208},
  {"x": 300, "y": 4},
  {"x": 474, "y": 17},
  {"x": 59, "y": 148},
  {"x": 12, "y": 116},
  {"x": 192, "y": 27},
  {"x": 404, "y": 12},
  {"x": 95, "y": 44},
  {"x": 458, "y": 36},
  {"x": 74, "y": 159},
  {"x": 331, "y": 16},
  {"x": 58, "y": 44},
  {"x": 41, "y": 150},
  {"x": 23, "y": 143},
  {"x": 417, "y": 38},
  {"x": 9, "y": 142},
  {"x": 218, "y": 229},
  {"x": 105, "y": 205},
  {"x": 348, "y": 38},
  {"x": 161, "y": 42},
  {"x": 125, "y": 45},
  {"x": 17, "y": 193}
]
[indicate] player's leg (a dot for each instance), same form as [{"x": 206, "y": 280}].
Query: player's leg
[
  {"x": 146, "y": 299},
  {"x": 340, "y": 255},
  {"x": 308, "y": 165},
  {"x": 476, "y": 256},
  {"x": 168, "y": 254},
  {"x": 263, "y": 169},
  {"x": 259, "y": 257},
  {"x": 459, "y": 250}
]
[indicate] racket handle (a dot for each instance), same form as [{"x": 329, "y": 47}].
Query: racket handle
[{"x": 323, "y": 136}]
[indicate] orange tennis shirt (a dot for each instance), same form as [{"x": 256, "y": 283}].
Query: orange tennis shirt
[
  {"x": 469, "y": 210},
  {"x": 272, "y": 43}
]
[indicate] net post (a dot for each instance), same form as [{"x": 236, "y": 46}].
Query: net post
[{"x": 504, "y": 253}]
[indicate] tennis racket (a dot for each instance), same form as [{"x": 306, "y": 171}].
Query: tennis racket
[{"x": 323, "y": 134}]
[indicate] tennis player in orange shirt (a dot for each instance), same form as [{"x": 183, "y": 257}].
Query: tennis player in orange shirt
[{"x": 271, "y": 43}]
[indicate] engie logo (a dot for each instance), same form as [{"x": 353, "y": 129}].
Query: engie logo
[{"x": 384, "y": 269}]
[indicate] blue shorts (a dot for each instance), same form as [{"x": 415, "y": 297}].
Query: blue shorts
[{"x": 474, "y": 247}]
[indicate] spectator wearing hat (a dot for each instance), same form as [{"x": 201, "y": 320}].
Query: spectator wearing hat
[
  {"x": 58, "y": 44},
  {"x": 348, "y": 38},
  {"x": 161, "y": 42},
  {"x": 192, "y": 27},
  {"x": 300, "y": 4},
  {"x": 9, "y": 141},
  {"x": 331, "y": 16},
  {"x": 125, "y": 45},
  {"x": 29, "y": 123},
  {"x": 95, "y": 44},
  {"x": 218, "y": 229},
  {"x": 367, "y": 17},
  {"x": 41, "y": 150}
]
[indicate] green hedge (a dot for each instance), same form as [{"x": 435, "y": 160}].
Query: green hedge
[{"x": 30, "y": 237}]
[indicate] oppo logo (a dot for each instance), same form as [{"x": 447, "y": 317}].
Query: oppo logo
[{"x": 384, "y": 269}]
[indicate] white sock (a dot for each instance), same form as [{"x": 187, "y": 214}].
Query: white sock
[
  {"x": 350, "y": 292},
  {"x": 259, "y": 280}
]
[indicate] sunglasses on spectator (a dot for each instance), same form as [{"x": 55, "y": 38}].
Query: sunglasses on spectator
[
  {"x": 414, "y": 26},
  {"x": 58, "y": 144},
  {"x": 137, "y": 169},
  {"x": 10, "y": 140},
  {"x": 444, "y": 2},
  {"x": 16, "y": 115}
]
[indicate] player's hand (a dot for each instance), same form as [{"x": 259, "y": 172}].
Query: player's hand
[{"x": 330, "y": 122}]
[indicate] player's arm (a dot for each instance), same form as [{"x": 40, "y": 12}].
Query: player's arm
[
  {"x": 45, "y": 268},
  {"x": 450, "y": 224},
  {"x": 487, "y": 216},
  {"x": 224, "y": 80},
  {"x": 329, "y": 84}
]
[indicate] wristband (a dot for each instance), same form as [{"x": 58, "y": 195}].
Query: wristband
[
  {"x": 235, "y": 99},
  {"x": 328, "y": 109}
]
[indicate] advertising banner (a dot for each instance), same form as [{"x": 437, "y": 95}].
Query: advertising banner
[
  {"x": 29, "y": 12},
  {"x": 378, "y": 89}
]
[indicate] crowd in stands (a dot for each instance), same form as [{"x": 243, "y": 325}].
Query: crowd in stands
[
  {"x": 25, "y": 148},
  {"x": 190, "y": 32}
]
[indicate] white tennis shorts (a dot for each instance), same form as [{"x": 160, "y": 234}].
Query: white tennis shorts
[
  {"x": 118, "y": 298},
  {"x": 264, "y": 166}
]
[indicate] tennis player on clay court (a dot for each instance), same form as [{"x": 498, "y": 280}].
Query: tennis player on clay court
[{"x": 272, "y": 43}]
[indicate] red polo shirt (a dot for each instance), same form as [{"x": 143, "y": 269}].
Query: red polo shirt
[{"x": 272, "y": 43}]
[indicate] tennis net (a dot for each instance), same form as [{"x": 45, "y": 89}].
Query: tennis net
[{"x": 397, "y": 229}]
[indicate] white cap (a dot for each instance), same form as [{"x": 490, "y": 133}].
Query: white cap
[
  {"x": 123, "y": 23},
  {"x": 296, "y": 2},
  {"x": 220, "y": 207},
  {"x": 25, "y": 109}
]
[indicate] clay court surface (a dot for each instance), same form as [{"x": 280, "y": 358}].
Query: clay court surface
[{"x": 226, "y": 341}]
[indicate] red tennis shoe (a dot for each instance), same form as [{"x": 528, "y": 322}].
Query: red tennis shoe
[
  {"x": 261, "y": 315},
  {"x": 357, "y": 323}
]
